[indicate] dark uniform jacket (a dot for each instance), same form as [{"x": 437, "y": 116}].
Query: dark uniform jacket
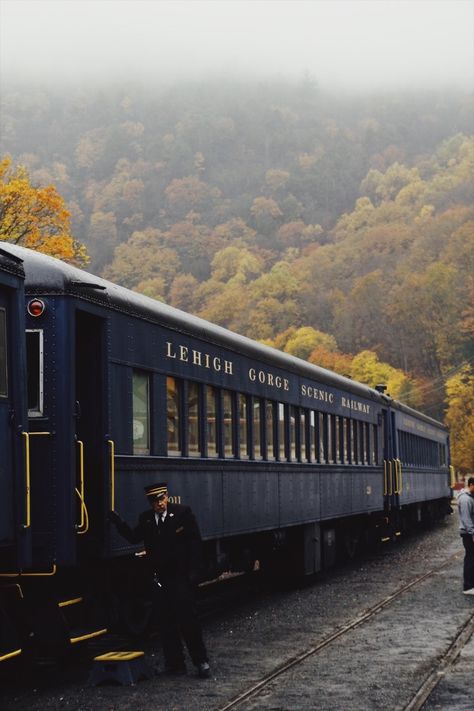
[{"x": 174, "y": 547}]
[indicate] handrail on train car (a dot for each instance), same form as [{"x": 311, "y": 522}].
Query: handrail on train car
[
  {"x": 10, "y": 655},
  {"x": 111, "y": 444},
  {"x": 390, "y": 477},
  {"x": 385, "y": 485},
  {"x": 398, "y": 476},
  {"x": 27, "y": 524},
  {"x": 452, "y": 472},
  {"x": 39, "y": 574},
  {"x": 27, "y": 436},
  {"x": 84, "y": 521}
]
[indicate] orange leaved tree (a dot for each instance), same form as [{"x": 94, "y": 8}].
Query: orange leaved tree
[{"x": 36, "y": 217}]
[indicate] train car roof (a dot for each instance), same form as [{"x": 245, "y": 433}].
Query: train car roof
[
  {"x": 11, "y": 263},
  {"x": 48, "y": 275}
]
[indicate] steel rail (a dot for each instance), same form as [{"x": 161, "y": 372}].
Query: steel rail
[
  {"x": 446, "y": 661},
  {"x": 356, "y": 622}
]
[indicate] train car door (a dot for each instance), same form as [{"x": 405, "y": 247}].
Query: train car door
[
  {"x": 90, "y": 417},
  {"x": 15, "y": 531},
  {"x": 389, "y": 473}
]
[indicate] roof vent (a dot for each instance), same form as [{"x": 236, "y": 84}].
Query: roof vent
[
  {"x": 381, "y": 388},
  {"x": 88, "y": 285}
]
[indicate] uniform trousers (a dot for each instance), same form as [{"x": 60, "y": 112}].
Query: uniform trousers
[
  {"x": 468, "y": 543},
  {"x": 175, "y": 607}
]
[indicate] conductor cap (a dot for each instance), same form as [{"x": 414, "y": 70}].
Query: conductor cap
[{"x": 156, "y": 491}]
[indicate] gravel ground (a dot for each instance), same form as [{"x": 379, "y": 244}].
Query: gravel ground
[
  {"x": 376, "y": 666},
  {"x": 455, "y": 692}
]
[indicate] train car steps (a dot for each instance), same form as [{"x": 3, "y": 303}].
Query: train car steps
[
  {"x": 126, "y": 668},
  {"x": 11, "y": 625},
  {"x": 75, "y": 620}
]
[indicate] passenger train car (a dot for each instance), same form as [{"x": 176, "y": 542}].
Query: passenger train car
[{"x": 280, "y": 460}]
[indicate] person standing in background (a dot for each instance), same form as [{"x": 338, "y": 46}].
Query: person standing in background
[{"x": 466, "y": 529}]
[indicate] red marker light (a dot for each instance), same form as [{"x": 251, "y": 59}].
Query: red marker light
[{"x": 36, "y": 307}]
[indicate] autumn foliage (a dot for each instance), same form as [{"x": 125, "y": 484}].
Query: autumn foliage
[
  {"x": 36, "y": 218},
  {"x": 340, "y": 229}
]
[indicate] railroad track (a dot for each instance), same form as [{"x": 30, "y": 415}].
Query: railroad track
[
  {"x": 446, "y": 661},
  {"x": 424, "y": 690}
]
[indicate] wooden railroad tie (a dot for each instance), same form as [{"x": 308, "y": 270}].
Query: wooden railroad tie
[{"x": 124, "y": 668}]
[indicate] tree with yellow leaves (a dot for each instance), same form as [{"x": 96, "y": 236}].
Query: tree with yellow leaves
[
  {"x": 460, "y": 418},
  {"x": 36, "y": 217}
]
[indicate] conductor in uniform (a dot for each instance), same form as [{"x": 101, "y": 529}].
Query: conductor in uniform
[{"x": 173, "y": 547}]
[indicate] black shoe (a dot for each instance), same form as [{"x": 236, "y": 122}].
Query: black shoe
[
  {"x": 175, "y": 670},
  {"x": 204, "y": 670}
]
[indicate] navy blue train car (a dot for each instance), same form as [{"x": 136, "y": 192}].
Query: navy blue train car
[
  {"x": 280, "y": 459},
  {"x": 15, "y": 513}
]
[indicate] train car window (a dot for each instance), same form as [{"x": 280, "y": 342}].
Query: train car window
[
  {"x": 270, "y": 429},
  {"x": 211, "y": 421},
  {"x": 293, "y": 425},
  {"x": 354, "y": 440},
  {"x": 173, "y": 416},
  {"x": 362, "y": 442},
  {"x": 408, "y": 455},
  {"x": 313, "y": 437},
  {"x": 228, "y": 423},
  {"x": 403, "y": 449},
  {"x": 366, "y": 441},
  {"x": 345, "y": 440},
  {"x": 323, "y": 438},
  {"x": 281, "y": 432},
  {"x": 442, "y": 455},
  {"x": 34, "y": 364},
  {"x": 409, "y": 449},
  {"x": 257, "y": 429},
  {"x": 375, "y": 446},
  {"x": 3, "y": 354},
  {"x": 141, "y": 412},
  {"x": 329, "y": 422},
  {"x": 193, "y": 429},
  {"x": 243, "y": 427},
  {"x": 337, "y": 439},
  {"x": 303, "y": 449}
]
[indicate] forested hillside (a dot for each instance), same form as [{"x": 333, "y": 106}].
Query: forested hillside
[{"x": 337, "y": 227}]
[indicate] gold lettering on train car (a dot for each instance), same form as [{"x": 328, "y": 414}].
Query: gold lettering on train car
[
  {"x": 355, "y": 405},
  {"x": 317, "y": 393},
  {"x": 198, "y": 358},
  {"x": 174, "y": 499},
  {"x": 266, "y": 378}
]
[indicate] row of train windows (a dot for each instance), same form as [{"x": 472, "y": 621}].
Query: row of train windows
[
  {"x": 204, "y": 421},
  {"x": 422, "y": 452}
]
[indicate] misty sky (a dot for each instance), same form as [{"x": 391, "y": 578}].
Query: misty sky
[{"x": 366, "y": 44}]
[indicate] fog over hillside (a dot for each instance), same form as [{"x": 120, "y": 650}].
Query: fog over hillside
[{"x": 342, "y": 43}]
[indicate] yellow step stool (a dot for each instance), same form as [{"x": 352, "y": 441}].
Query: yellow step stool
[{"x": 122, "y": 667}]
